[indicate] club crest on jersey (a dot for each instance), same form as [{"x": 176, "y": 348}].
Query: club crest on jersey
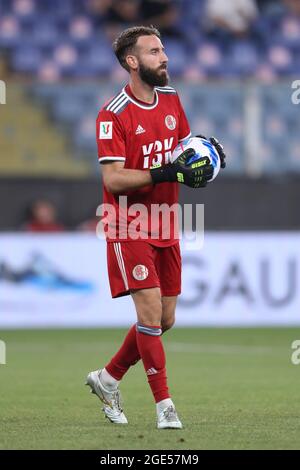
[
  {"x": 140, "y": 272},
  {"x": 170, "y": 122},
  {"x": 105, "y": 130}
]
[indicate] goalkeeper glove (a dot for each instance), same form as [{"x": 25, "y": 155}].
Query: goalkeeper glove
[
  {"x": 218, "y": 147},
  {"x": 194, "y": 174}
]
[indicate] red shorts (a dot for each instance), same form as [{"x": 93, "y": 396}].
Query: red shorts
[{"x": 139, "y": 265}]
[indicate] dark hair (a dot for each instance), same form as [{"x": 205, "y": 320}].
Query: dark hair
[{"x": 125, "y": 43}]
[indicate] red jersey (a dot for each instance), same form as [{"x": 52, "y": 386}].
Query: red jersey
[{"x": 141, "y": 135}]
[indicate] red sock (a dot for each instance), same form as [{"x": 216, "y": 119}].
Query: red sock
[
  {"x": 127, "y": 356},
  {"x": 153, "y": 356}
]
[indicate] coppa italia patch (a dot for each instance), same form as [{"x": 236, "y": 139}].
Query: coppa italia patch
[{"x": 105, "y": 130}]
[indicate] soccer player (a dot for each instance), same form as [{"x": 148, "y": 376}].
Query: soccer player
[{"x": 137, "y": 131}]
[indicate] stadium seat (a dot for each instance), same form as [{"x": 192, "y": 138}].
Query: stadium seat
[
  {"x": 81, "y": 30},
  {"x": 177, "y": 56},
  {"x": 26, "y": 59},
  {"x": 209, "y": 58},
  {"x": 281, "y": 58},
  {"x": 46, "y": 34},
  {"x": 10, "y": 31},
  {"x": 243, "y": 57},
  {"x": 66, "y": 56},
  {"x": 98, "y": 60}
]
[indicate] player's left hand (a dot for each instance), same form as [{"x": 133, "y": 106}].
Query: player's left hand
[{"x": 219, "y": 147}]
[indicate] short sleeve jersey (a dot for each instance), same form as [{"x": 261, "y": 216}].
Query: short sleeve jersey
[{"x": 141, "y": 135}]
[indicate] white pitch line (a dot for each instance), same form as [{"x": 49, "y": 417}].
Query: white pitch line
[{"x": 217, "y": 348}]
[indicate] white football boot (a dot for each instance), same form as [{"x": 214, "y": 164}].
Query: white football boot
[
  {"x": 110, "y": 398},
  {"x": 168, "y": 419}
]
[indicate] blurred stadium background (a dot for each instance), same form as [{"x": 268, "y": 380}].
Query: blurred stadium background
[{"x": 233, "y": 64}]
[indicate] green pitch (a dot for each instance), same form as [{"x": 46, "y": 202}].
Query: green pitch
[{"x": 233, "y": 389}]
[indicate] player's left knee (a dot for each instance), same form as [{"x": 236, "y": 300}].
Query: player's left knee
[{"x": 167, "y": 324}]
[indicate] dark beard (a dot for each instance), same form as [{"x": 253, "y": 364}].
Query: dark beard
[{"x": 152, "y": 78}]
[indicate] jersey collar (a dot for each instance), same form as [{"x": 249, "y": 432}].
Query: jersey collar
[{"x": 141, "y": 104}]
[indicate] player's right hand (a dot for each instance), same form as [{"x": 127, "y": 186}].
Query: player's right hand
[{"x": 184, "y": 170}]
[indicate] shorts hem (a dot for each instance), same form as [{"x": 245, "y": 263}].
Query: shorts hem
[
  {"x": 122, "y": 293},
  {"x": 170, "y": 293}
]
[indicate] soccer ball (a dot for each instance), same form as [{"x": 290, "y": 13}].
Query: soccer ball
[{"x": 203, "y": 148}]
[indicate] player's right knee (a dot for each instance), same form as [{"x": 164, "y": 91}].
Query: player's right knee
[
  {"x": 149, "y": 309},
  {"x": 147, "y": 318},
  {"x": 150, "y": 314}
]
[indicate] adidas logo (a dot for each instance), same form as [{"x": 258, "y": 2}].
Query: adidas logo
[
  {"x": 139, "y": 130},
  {"x": 151, "y": 371}
]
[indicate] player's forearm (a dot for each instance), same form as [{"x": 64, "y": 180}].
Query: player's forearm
[{"x": 126, "y": 180}]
